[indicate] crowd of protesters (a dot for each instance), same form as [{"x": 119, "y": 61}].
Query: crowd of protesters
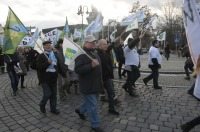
[{"x": 92, "y": 75}]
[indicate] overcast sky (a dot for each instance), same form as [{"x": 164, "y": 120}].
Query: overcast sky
[{"x": 52, "y": 13}]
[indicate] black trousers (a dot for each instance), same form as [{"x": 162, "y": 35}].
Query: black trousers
[
  {"x": 49, "y": 93},
  {"x": 132, "y": 78},
  {"x": 188, "y": 66},
  {"x": 120, "y": 69},
  {"x": 154, "y": 75}
]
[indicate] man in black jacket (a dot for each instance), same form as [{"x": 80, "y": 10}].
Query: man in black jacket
[
  {"x": 88, "y": 68},
  {"x": 11, "y": 60},
  {"x": 48, "y": 67},
  {"x": 119, "y": 51},
  {"x": 107, "y": 72}
]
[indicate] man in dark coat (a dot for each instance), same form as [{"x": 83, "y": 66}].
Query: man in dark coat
[
  {"x": 185, "y": 52},
  {"x": 48, "y": 68},
  {"x": 90, "y": 82},
  {"x": 119, "y": 51},
  {"x": 107, "y": 72}
]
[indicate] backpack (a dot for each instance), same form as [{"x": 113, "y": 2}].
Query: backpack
[{"x": 33, "y": 62}]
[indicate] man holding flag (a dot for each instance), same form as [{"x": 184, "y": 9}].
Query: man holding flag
[
  {"x": 13, "y": 34},
  {"x": 88, "y": 67}
]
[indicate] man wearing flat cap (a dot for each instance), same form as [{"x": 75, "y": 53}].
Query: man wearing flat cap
[
  {"x": 90, "y": 82},
  {"x": 48, "y": 68}
]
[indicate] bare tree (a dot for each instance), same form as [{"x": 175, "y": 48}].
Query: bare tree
[{"x": 171, "y": 22}]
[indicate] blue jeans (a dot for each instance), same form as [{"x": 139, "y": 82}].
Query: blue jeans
[
  {"x": 90, "y": 106},
  {"x": 108, "y": 85},
  {"x": 14, "y": 79},
  {"x": 49, "y": 93}
]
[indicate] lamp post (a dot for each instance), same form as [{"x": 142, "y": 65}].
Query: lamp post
[{"x": 81, "y": 12}]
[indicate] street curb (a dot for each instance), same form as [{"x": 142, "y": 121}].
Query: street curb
[
  {"x": 164, "y": 72},
  {"x": 166, "y": 86}
]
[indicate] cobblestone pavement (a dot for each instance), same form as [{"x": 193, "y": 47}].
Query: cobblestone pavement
[{"x": 153, "y": 111}]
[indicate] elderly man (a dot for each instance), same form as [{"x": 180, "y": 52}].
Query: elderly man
[
  {"x": 107, "y": 72},
  {"x": 48, "y": 67},
  {"x": 88, "y": 68}
]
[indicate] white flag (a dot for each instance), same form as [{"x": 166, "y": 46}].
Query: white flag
[
  {"x": 126, "y": 40},
  {"x": 95, "y": 26},
  {"x": 148, "y": 26},
  {"x": 71, "y": 51},
  {"x": 52, "y": 36},
  {"x": 77, "y": 34},
  {"x": 112, "y": 36},
  {"x": 26, "y": 41},
  {"x": 39, "y": 46},
  {"x": 192, "y": 27},
  {"x": 139, "y": 15},
  {"x": 133, "y": 25},
  {"x": 162, "y": 36}
]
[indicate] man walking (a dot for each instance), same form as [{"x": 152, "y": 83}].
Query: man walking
[
  {"x": 154, "y": 62},
  {"x": 131, "y": 61},
  {"x": 48, "y": 67},
  {"x": 90, "y": 82},
  {"x": 107, "y": 72}
]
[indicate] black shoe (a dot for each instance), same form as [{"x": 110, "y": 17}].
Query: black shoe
[
  {"x": 97, "y": 129},
  {"x": 123, "y": 75},
  {"x": 144, "y": 82},
  {"x": 124, "y": 87},
  {"x": 42, "y": 109},
  {"x": 158, "y": 87},
  {"x": 185, "y": 128},
  {"x": 117, "y": 101},
  {"x": 187, "y": 78},
  {"x": 190, "y": 92},
  {"x": 56, "y": 112},
  {"x": 82, "y": 116},
  {"x": 133, "y": 94},
  {"x": 14, "y": 94},
  {"x": 113, "y": 112}
]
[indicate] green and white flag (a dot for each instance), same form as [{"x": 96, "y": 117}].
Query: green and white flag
[
  {"x": 132, "y": 25},
  {"x": 1, "y": 34},
  {"x": 162, "y": 36},
  {"x": 14, "y": 32},
  {"x": 112, "y": 36}
]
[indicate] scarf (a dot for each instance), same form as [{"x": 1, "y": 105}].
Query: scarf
[{"x": 52, "y": 57}]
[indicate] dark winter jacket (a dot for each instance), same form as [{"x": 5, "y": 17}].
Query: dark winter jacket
[
  {"x": 119, "y": 51},
  {"x": 107, "y": 65},
  {"x": 11, "y": 60},
  {"x": 90, "y": 79},
  {"x": 60, "y": 56},
  {"x": 42, "y": 65}
]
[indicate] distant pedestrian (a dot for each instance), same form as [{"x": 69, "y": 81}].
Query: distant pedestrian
[
  {"x": 119, "y": 50},
  {"x": 11, "y": 60},
  {"x": 184, "y": 50},
  {"x": 22, "y": 65},
  {"x": 63, "y": 85},
  {"x": 90, "y": 82},
  {"x": 73, "y": 77},
  {"x": 167, "y": 51},
  {"x": 154, "y": 63},
  {"x": 48, "y": 69},
  {"x": 2, "y": 67}
]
